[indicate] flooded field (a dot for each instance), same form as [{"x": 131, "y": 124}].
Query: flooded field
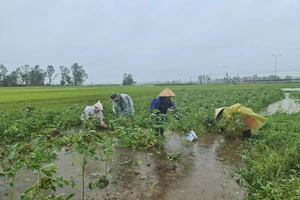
[
  {"x": 202, "y": 172},
  {"x": 287, "y": 104},
  {"x": 202, "y": 169}
]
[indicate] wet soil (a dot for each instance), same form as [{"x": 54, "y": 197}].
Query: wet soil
[{"x": 202, "y": 172}]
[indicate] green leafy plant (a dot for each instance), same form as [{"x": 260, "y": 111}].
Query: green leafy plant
[
  {"x": 229, "y": 127},
  {"x": 175, "y": 158},
  {"x": 88, "y": 144},
  {"x": 46, "y": 181}
]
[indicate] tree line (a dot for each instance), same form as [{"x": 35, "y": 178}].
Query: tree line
[{"x": 35, "y": 76}]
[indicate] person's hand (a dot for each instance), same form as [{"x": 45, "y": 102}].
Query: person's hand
[{"x": 104, "y": 125}]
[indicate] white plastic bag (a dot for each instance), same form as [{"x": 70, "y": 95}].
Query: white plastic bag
[{"x": 190, "y": 136}]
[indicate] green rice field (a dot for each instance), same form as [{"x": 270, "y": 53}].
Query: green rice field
[{"x": 15, "y": 98}]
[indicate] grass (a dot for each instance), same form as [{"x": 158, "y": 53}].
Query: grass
[{"x": 273, "y": 159}]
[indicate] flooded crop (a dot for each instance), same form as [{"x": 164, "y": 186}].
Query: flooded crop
[
  {"x": 129, "y": 160},
  {"x": 202, "y": 171}
]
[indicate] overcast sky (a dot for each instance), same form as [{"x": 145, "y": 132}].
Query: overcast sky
[{"x": 154, "y": 40}]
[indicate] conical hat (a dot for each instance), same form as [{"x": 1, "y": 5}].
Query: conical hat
[
  {"x": 217, "y": 111},
  {"x": 166, "y": 93}
]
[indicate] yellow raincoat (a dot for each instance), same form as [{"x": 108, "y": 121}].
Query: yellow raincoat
[{"x": 251, "y": 120}]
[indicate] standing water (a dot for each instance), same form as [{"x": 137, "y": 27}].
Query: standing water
[
  {"x": 287, "y": 104},
  {"x": 202, "y": 171}
]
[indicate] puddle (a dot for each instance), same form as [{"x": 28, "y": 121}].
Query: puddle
[
  {"x": 200, "y": 172},
  {"x": 287, "y": 105},
  {"x": 290, "y": 89}
]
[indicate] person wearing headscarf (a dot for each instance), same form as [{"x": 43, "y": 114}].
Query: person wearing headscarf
[
  {"x": 122, "y": 104},
  {"x": 94, "y": 111}
]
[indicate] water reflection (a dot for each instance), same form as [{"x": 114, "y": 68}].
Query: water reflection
[
  {"x": 287, "y": 105},
  {"x": 290, "y": 89},
  {"x": 204, "y": 175}
]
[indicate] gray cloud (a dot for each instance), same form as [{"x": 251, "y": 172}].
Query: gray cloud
[{"x": 152, "y": 39}]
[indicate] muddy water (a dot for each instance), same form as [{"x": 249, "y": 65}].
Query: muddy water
[
  {"x": 202, "y": 172},
  {"x": 204, "y": 175},
  {"x": 287, "y": 105}
]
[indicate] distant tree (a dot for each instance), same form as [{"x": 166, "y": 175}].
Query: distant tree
[
  {"x": 273, "y": 77},
  {"x": 208, "y": 79},
  {"x": 37, "y": 76},
  {"x": 236, "y": 78},
  {"x": 50, "y": 71},
  {"x": 69, "y": 80},
  {"x": 24, "y": 74},
  {"x": 3, "y": 72},
  {"x": 124, "y": 77},
  {"x": 201, "y": 79},
  {"x": 79, "y": 74},
  {"x": 11, "y": 79},
  {"x": 64, "y": 71},
  {"x": 127, "y": 79}
]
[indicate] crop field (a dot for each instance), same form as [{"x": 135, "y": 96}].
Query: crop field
[
  {"x": 34, "y": 123},
  {"x": 14, "y": 99}
]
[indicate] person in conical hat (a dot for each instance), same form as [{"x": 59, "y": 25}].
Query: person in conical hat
[
  {"x": 160, "y": 105},
  {"x": 163, "y": 102},
  {"x": 167, "y": 93},
  {"x": 94, "y": 111}
]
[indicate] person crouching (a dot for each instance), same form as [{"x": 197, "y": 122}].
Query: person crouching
[{"x": 94, "y": 111}]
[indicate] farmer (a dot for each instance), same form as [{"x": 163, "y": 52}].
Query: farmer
[
  {"x": 251, "y": 120},
  {"x": 160, "y": 105},
  {"x": 94, "y": 112},
  {"x": 122, "y": 104},
  {"x": 163, "y": 102}
]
